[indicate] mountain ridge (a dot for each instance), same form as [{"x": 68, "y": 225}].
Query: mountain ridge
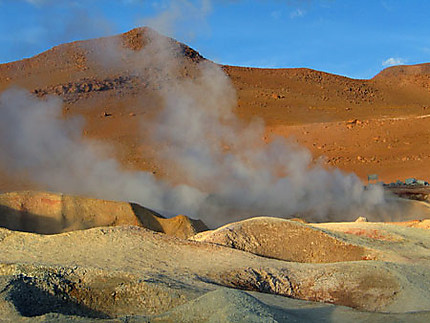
[
  {"x": 134, "y": 40},
  {"x": 108, "y": 87}
]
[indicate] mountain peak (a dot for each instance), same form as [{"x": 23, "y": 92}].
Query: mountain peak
[{"x": 404, "y": 70}]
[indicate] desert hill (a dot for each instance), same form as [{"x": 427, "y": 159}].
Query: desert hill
[
  {"x": 365, "y": 126},
  {"x": 69, "y": 62},
  {"x": 404, "y": 70}
]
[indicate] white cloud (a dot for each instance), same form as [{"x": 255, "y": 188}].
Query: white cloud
[
  {"x": 297, "y": 13},
  {"x": 394, "y": 61}
]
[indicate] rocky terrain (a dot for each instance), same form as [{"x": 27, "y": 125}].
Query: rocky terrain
[
  {"x": 258, "y": 270},
  {"x": 71, "y": 257}
]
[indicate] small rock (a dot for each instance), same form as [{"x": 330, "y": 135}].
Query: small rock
[{"x": 361, "y": 219}]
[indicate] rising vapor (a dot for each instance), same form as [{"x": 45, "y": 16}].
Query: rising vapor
[
  {"x": 225, "y": 169},
  {"x": 36, "y": 143}
]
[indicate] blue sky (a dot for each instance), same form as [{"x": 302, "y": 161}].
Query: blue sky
[{"x": 346, "y": 37}]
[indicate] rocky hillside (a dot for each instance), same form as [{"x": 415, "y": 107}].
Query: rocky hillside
[{"x": 113, "y": 83}]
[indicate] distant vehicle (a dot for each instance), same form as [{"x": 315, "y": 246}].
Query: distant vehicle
[
  {"x": 372, "y": 177},
  {"x": 410, "y": 181},
  {"x": 422, "y": 182}
]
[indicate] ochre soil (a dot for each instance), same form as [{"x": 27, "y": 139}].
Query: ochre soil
[
  {"x": 371, "y": 126},
  {"x": 364, "y": 126}
]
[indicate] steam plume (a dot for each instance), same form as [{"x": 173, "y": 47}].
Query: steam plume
[
  {"x": 35, "y": 142},
  {"x": 217, "y": 153},
  {"x": 226, "y": 170}
]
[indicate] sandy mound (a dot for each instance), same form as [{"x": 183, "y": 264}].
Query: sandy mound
[
  {"x": 50, "y": 213},
  {"x": 148, "y": 273},
  {"x": 224, "y": 305},
  {"x": 413, "y": 209},
  {"x": 285, "y": 240},
  {"x": 229, "y": 305},
  {"x": 117, "y": 271},
  {"x": 423, "y": 224}
]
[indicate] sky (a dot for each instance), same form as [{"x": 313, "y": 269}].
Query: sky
[{"x": 346, "y": 37}]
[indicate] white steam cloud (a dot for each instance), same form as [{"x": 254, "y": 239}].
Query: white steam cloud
[
  {"x": 35, "y": 142},
  {"x": 226, "y": 171},
  {"x": 180, "y": 18},
  {"x": 393, "y": 61},
  {"x": 218, "y": 154}
]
